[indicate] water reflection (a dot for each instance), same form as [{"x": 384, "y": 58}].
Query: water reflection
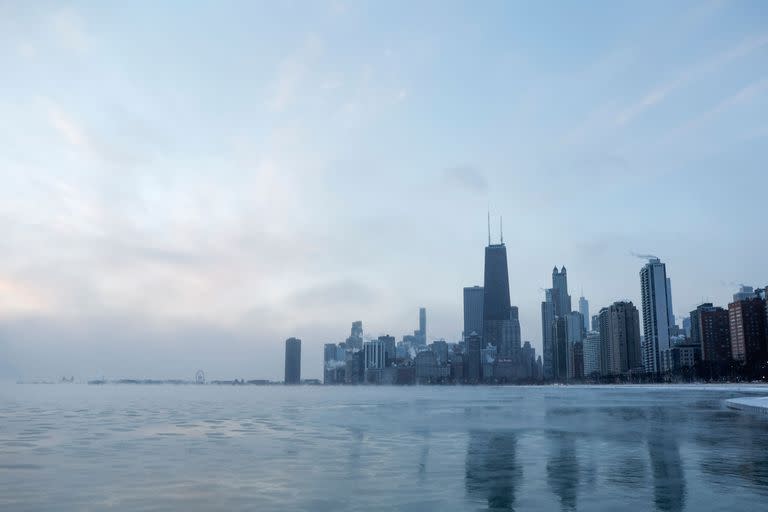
[
  {"x": 492, "y": 473},
  {"x": 563, "y": 472},
  {"x": 666, "y": 463}
]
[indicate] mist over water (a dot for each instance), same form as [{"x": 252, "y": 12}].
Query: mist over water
[{"x": 77, "y": 447}]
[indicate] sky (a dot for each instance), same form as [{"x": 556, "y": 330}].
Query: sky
[{"x": 185, "y": 185}]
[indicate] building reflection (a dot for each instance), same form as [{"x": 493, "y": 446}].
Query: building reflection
[
  {"x": 666, "y": 463},
  {"x": 492, "y": 473},
  {"x": 563, "y": 471}
]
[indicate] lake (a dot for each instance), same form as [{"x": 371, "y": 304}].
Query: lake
[{"x": 314, "y": 448}]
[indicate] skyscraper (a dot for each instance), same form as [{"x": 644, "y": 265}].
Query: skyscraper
[
  {"x": 473, "y": 310},
  {"x": 292, "y": 361},
  {"x": 355, "y": 340},
  {"x": 584, "y": 310},
  {"x": 422, "y": 334},
  {"x": 496, "y": 306},
  {"x": 547, "y": 335},
  {"x": 620, "y": 338},
  {"x": 473, "y": 362},
  {"x": 710, "y": 329},
  {"x": 657, "y": 313},
  {"x": 747, "y": 319},
  {"x": 592, "y": 354},
  {"x": 560, "y": 292}
]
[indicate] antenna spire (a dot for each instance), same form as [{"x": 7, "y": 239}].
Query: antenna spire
[
  {"x": 501, "y": 228},
  {"x": 489, "y": 227}
]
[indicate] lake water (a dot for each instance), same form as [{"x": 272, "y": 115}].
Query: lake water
[{"x": 78, "y": 447}]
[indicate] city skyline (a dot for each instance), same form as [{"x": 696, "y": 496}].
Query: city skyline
[{"x": 171, "y": 201}]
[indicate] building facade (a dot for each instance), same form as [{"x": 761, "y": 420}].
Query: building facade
[
  {"x": 292, "y": 361},
  {"x": 656, "y": 294},
  {"x": 473, "y": 311}
]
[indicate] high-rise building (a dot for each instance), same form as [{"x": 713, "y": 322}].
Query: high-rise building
[
  {"x": 560, "y": 292},
  {"x": 473, "y": 362},
  {"x": 473, "y": 310},
  {"x": 745, "y": 292},
  {"x": 496, "y": 306},
  {"x": 509, "y": 343},
  {"x": 355, "y": 340},
  {"x": 574, "y": 326},
  {"x": 657, "y": 313},
  {"x": 560, "y": 348},
  {"x": 584, "y": 310},
  {"x": 375, "y": 357},
  {"x": 292, "y": 361},
  {"x": 710, "y": 330},
  {"x": 747, "y": 319},
  {"x": 592, "y": 354},
  {"x": 620, "y": 338},
  {"x": 547, "y": 335},
  {"x": 390, "y": 349},
  {"x": 329, "y": 352},
  {"x": 421, "y": 334}
]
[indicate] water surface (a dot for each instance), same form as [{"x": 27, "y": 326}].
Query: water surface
[{"x": 77, "y": 447}]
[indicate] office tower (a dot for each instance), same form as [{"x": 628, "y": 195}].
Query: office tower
[
  {"x": 669, "y": 304},
  {"x": 745, "y": 292},
  {"x": 657, "y": 313},
  {"x": 592, "y": 354},
  {"x": 623, "y": 339},
  {"x": 473, "y": 310},
  {"x": 747, "y": 319},
  {"x": 584, "y": 310},
  {"x": 375, "y": 354},
  {"x": 329, "y": 352},
  {"x": 595, "y": 323},
  {"x": 528, "y": 359},
  {"x": 496, "y": 306},
  {"x": 422, "y": 327},
  {"x": 292, "y": 361},
  {"x": 390, "y": 349},
  {"x": 606, "y": 350},
  {"x": 474, "y": 345},
  {"x": 440, "y": 348},
  {"x": 560, "y": 292},
  {"x": 687, "y": 326},
  {"x": 547, "y": 339},
  {"x": 574, "y": 326},
  {"x": 509, "y": 342},
  {"x": 710, "y": 330},
  {"x": 355, "y": 340},
  {"x": 488, "y": 357},
  {"x": 560, "y": 348}
]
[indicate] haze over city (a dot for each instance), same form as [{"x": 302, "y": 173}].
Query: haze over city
[{"x": 197, "y": 185}]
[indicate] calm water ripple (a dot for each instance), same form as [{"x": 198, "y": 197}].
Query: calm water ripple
[{"x": 76, "y": 447}]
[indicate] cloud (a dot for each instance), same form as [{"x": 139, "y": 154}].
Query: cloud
[
  {"x": 643, "y": 256},
  {"x": 466, "y": 177},
  {"x": 292, "y": 73},
  {"x": 331, "y": 294},
  {"x": 662, "y": 91},
  {"x": 69, "y": 29}
]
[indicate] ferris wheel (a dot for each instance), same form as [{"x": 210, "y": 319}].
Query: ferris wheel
[{"x": 199, "y": 377}]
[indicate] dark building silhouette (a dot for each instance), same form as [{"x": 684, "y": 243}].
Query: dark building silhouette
[
  {"x": 292, "y": 361},
  {"x": 547, "y": 335},
  {"x": 747, "y": 319},
  {"x": 619, "y": 327},
  {"x": 473, "y": 310},
  {"x": 473, "y": 361},
  {"x": 496, "y": 306},
  {"x": 560, "y": 348},
  {"x": 710, "y": 329}
]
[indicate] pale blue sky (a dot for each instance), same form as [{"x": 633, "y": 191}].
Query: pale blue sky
[{"x": 187, "y": 184}]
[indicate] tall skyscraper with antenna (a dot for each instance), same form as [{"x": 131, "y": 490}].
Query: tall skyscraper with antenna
[{"x": 498, "y": 323}]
